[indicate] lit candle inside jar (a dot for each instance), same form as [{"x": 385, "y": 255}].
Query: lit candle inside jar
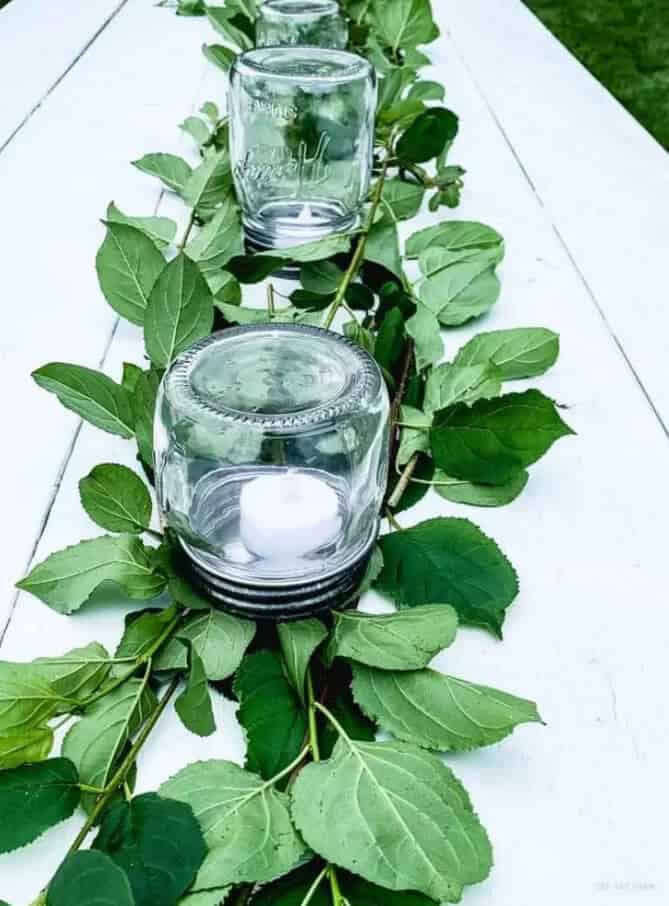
[{"x": 288, "y": 515}]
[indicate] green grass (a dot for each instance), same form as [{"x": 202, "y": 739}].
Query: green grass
[{"x": 625, "y": 44}]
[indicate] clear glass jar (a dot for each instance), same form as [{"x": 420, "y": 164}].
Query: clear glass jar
[
  {"x": 316, "y": 23},
  {"x": 301, "y": 134},
  {"x": 271, "y": 450}
]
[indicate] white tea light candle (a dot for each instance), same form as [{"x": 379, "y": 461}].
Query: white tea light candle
[{"x": 288, "y": 515}]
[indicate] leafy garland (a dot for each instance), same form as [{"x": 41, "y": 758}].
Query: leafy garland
[{"x": 322, "y": 812}]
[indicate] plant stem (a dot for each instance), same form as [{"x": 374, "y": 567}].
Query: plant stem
[
  {"x": 270, "y": 299},
  {"x": 154, "y": 534},
  {"x": 313, "y": 726},
  {"x": 310, "y": 894},
  {"x": 337, "y": 897},
  {"x": 122, "y": 772},
  {"x": 358, "y": 255},
  {"x": 403, "y": 483},
  {"x": 187, "y": 231},
  {"x": 390, "y": 516}
]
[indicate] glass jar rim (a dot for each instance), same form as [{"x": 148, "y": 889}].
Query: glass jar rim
[
  {"x": 300, "y": 9},
  {"x": 258, "y": 62},
  {"x": 364, "y": 386}
]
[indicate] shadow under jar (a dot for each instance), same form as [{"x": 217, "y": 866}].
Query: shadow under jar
[
  {"x": 301, "y": 22},
  {"x": 271, "y": 457},
  {"x": 301, "y": 138}
]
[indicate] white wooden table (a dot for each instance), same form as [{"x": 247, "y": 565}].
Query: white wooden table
[{"x": 577, "y": 811}]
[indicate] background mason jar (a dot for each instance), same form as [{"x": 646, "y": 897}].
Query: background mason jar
[
  {"x": 304, "y": 22},
  {"x": 301, "y": 137}
]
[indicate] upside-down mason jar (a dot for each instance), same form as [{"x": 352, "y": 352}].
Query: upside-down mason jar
[
  {"x": 301, "y": 22},
  {"x": 301, "y": 134},
  {"x": 271, "y": 455}
]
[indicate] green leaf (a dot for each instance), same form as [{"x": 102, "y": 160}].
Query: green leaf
[
  {"x": 226, "y": 21},
  {"x": 449, "y": 560},
  {"x": 492, "y": 440},
  {"x": 353, "y": 811},
  {"x": 413, "y": 440},
  {"x": 35, "y": 797},
  {"x": 424, "y": 329},
  {"x": 27, "y": 699},
  {"x": 131, "y": 374},
  {"x": 407, "y": 640},
  {"x": 218, "y": 241},
  {"x": 67, "y": 578},
  {"x": 404, "y": 23},
  {"x": 194, "y": 704},
  {"x": 128, "y": 264},
  {"x": 91, "y": 394},
  {"x": 382, "y": 246},
  {"x": 455, "y": 236},
  {"x": 390, "y": 340},
  {"x": 321, "y": 277},
  {"x": 458, "y": 491},
  {"x": 428, "y": 135},
  {"x": 30, "y": 745},
  {"x": 171, "y": 170},
  {"x": 144, "y": 406},
  {"x": 349, "y": 716},
  {"x": 458, "y": 286},
  {"x": 270, "y": 712},
  {"x": 437, "y": 711},
  {"x": 89, "y": 879},
  {"x": 401, "y": 200},
  {"x": 158, "y": 844},
  {"x": 116, "y": 498},
  {"x": 220, "y": 56},
  {"x": 218, "y": 638},
  {"x": 450, "y": 384},
  {"x": 95, "y": 742},
  {"x": 209, "y": 184},
  {"x": 142, "y": 632},
  {"x": 196, "y": 128},
  {"x": 245, "y": 820},
  {"x": 160, "y": 230},
  {"x": 77, "y": 673},
  {"x": 521, "y": 352},
  {"x": 318, "y": 250},
  {"x": 418, "y": 485},
  {"x": 215, "y": 897},
  {"x": 180, "y": 311},
  {"x": 427, "y": 91},
  {"x": 298, "y": 641},
  {"x": 211, "y": 111}
]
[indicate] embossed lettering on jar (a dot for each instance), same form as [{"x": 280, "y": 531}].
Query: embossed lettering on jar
[{"x": 301, "y": 133}]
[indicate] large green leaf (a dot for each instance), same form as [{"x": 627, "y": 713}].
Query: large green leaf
[
  {"x": 171, "y": 170},
  {"x": 521, "y": 352},
  {"x": 395, "y": 815},
  {"x": 143, "y": 631},
  {"x": 449, "y": 560},
  {"x": 180, "y": 311},
  {"x": 270, "y": 712},
  {"x": 144, "y": 407},
  {"x": 128, "y": 264},
  {"x": 95, "y": 742},
  {"x": 116, "y": 498},
  {"x": 220, "y": 56},
  {"x": 89, "y": 879},
  {"x": 77, "y": 673},
  {"x": 28, "y": 746},
  {"x": 218, "y": 638},
  {"x": 27, "y": 699},
  {"x": 492, "y": 440},
  {"x": 406, "y": 640},
  {"x": 404, "y": 23},
  {"x": 245, "y": 820},
  {"x": 209, "y": 184},
  {"x": 458, "y": 286},
  {"x": 424, "y": 329},
  {"x": 401, "y": 200},
  {"x": 438, "y": 711},
  {"x": 194, "y": 704},
  {"x": 160, "y": 230},
  {"x": 299, "y": 640},
  {"x": 224, "y": 20},
  {"x": 382, "y": 246},
  {"x": 35, "y": 797},
  {"x": 158, "y": 844},
  {"x": 67, "y": 578},
  {"x": 428, "y": 135},
  {"x": 91, "y": 394},
  {"x": 449, "y": 384},
  {"x": 218, "y": 241},
  {"x": 454, "y": 236},
  {"x": 459, "y": 491},
  {"x": 215, "y": 897}
]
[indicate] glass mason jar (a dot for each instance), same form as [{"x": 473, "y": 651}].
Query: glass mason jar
[
  {"x": 315, "y": 23},
  {"x": 301, "y": 134},
  {"x": 271, "y": 456}
]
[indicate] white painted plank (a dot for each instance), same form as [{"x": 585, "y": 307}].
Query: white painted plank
[
  {"x": 124, "y": 97},
  {"x": 602, "y": 177},
  {"x": 39, "y": 42},
  {"x": 577, "y": 805}
]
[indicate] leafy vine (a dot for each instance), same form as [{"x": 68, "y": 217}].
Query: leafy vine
[{"x": 322, "y": 812}]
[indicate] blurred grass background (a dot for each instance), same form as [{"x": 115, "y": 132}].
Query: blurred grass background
[{"x": 625, "y": 44}]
